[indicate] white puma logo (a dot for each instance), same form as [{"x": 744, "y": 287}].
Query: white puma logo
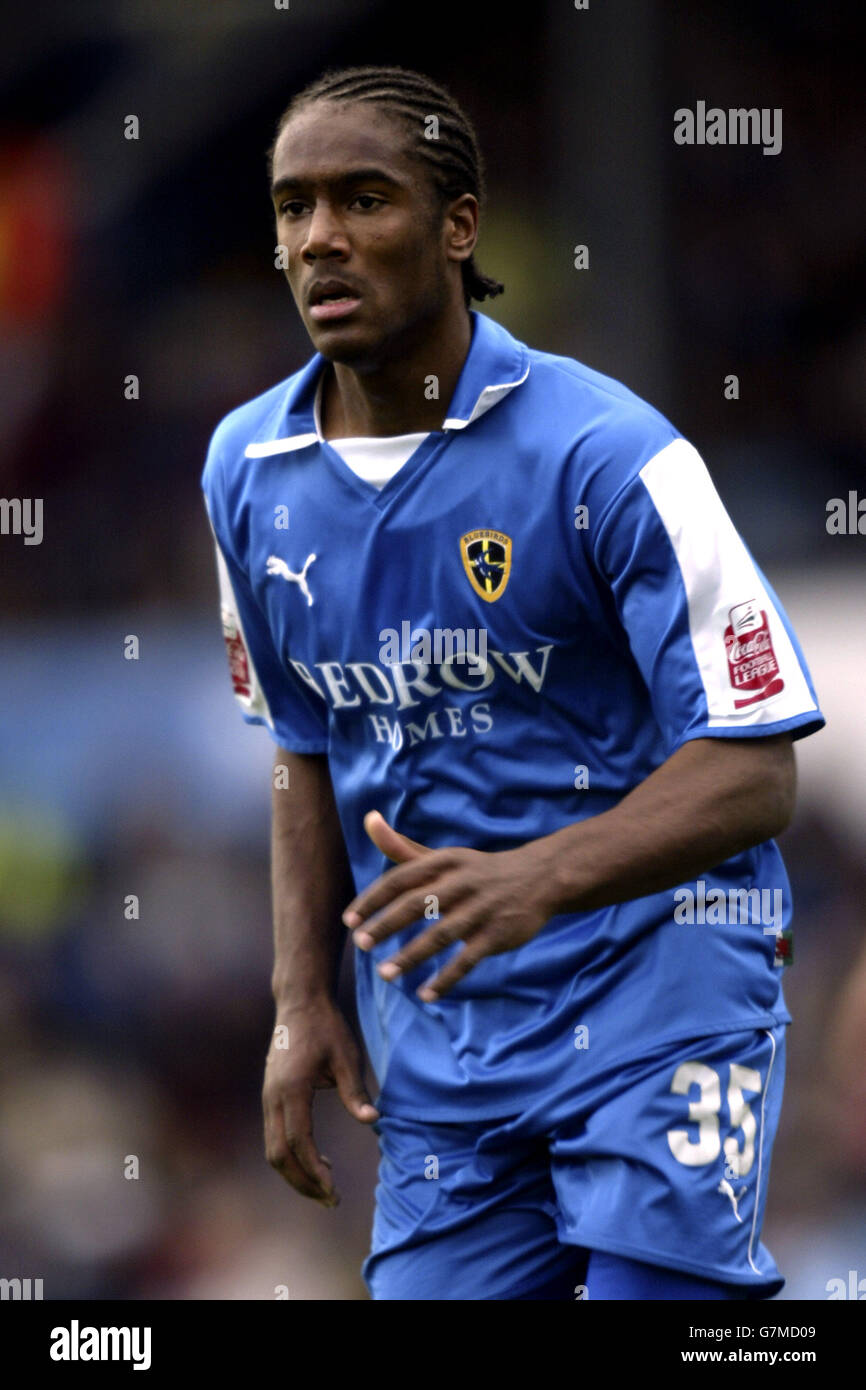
[
  {"x": 727, "y": 1191},
  {"x": 278, "y": 566}
]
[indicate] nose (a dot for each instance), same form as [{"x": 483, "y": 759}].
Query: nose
[{"x": 325, "y": 235}]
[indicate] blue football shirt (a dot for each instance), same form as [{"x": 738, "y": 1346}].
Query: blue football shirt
[{"x": 610, "y": 613}]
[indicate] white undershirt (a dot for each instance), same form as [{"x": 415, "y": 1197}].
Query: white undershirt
[{"x": 375, "y": 459}]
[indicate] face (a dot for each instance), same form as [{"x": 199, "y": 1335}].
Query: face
[{"x": 358, "y": 217}]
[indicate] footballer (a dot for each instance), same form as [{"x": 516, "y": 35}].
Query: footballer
[{"x": 551, "y": 848}]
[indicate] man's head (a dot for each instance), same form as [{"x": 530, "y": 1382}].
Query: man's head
[{"x": 377, "y": 180}]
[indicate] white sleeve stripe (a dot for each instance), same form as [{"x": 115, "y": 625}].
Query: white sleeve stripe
[
  {"x": 247, "y": 687},
  {"x": 719, "y": 576}
]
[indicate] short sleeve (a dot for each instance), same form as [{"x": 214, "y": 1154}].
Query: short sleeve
[
  {"x": 267, "y": 692},
  {"x": 713, "y": 644}
]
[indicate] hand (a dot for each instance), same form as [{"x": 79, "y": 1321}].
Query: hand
[
  {"x": 322, "y": 1053},
  {"x": 493, "y": 902}
]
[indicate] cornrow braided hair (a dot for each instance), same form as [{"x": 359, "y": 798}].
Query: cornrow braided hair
[{"x": 454, "y": 158}]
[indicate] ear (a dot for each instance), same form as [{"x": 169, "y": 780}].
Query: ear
[{"x": 461, "y": 220}]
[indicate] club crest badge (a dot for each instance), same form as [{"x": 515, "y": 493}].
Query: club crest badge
[{"x": 486, "y": 557}]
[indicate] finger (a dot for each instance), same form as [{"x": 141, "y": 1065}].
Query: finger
[
  {"x": 302, "y": 1148},
  {"x": 397, "y": 847},
  {"x": 353, "y": 1092},
  {"x": 456, "y": 969},
  {"x": 411, "y": 907},
  {"x": 422, "y": 947},
  {"x": 390, "y": 841},
  {"x": 295, "y": 1176},
  {"x": 282, "y": 1159},
  {"x": 394, "y": 882}
]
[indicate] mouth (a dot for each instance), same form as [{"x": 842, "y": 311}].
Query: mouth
[
  {"x": 332, "y": 299},
  {"x": 337, "y": 306}
]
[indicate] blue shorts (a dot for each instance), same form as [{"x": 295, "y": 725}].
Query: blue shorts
[{"x": 666, "y": 1163}]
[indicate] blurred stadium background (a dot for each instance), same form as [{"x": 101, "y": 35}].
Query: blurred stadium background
[{"x": 155, "y": 257}]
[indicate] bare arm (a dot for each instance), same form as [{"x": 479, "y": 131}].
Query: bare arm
[
  {"x": 309, "y": 879},
  {"x": 712, "y": 799},
  {"x": 312, "y": 1047}
]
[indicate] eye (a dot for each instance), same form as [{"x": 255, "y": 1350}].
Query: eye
[
  {"x": 369, "y": 200},
  {"x": 292, "y": 207}
]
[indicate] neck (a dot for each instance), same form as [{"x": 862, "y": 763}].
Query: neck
[{"x": 392, "y": 397}]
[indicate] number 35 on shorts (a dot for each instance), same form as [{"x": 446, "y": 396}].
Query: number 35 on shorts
[{"x": 704, "y": 1147}]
